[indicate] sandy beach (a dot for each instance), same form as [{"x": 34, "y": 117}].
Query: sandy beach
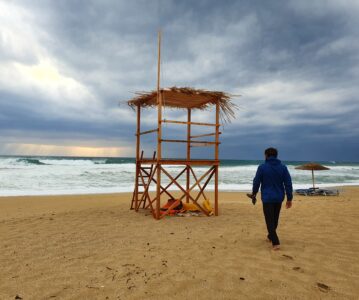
[{"x": 94, "y": 247}]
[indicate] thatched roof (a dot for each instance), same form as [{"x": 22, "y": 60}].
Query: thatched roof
[
  {"x": 185, "y": 97},
  {"x": 312, "y": 166}
]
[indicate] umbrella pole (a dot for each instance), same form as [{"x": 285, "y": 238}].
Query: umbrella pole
[{"x": 313, "y": 179}]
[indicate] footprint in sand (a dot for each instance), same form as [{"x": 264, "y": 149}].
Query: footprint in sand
[
  {"x": 323, "y": 287},
  {"x": 298, "y": 269}
]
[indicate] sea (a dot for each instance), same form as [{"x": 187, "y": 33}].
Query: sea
[{"x": 49, "y": 175}]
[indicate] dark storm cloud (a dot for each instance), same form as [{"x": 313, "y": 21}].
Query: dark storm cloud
[{"x": 295, "y": 63}]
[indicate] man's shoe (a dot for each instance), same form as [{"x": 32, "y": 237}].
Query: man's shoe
[{"x": 254, "y": 199}]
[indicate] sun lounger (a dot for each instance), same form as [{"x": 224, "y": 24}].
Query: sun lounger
[
  {"x": 317, "y": 192},
  {"x": 329, "y": 192}
]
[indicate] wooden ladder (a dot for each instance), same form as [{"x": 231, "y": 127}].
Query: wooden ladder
[{"x": 144, "y": 175}]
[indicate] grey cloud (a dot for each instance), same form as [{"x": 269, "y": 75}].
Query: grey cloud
[{"x": 237, "y": 46}]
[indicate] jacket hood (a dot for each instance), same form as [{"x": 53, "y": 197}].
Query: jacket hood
[{"x": 273, "y": 161}]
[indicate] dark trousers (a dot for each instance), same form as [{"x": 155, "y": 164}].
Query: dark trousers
[{"x": 271, "y": 214}]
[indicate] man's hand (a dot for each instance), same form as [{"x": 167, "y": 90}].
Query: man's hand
[
  {"x": 288, "y": 204},
  {"x": 253, "y": 197}
]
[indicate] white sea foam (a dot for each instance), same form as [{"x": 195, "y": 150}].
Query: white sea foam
[{"x": 54, "y": 176}]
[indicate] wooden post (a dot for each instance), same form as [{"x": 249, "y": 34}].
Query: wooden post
[
  {"x": 313, "y": 179},
  {"x": 188, "y": 151},
  {"x": 138, "y": 130},
  {"x": 138, "y": 141},
  {"x": 216, "y": 155},
  {"x": 159, "y": 132}
]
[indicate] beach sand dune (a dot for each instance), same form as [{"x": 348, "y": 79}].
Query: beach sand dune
[{"x": 93, "y": 247}]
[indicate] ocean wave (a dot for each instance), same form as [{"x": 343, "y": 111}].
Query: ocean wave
[
  {"x": 23, "y": 175},
  {"x": 30, "y": 161},
  {"x": 68, "y": 162},
  {"x": 129, "y": 189},
  {"x": 115, "y": 161},
  {"x": 88, "y": 162}
]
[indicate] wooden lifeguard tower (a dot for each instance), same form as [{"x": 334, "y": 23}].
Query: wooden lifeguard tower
[{"x": 149, "y": 171}]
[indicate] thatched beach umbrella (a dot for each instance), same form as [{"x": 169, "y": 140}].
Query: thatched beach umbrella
[{"x": 312, "y": 167}]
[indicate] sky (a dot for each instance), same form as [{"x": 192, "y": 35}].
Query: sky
[{"x": 67, "y": 69}]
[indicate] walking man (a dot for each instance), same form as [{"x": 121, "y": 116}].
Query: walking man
[{"x": 275, "y": 181}]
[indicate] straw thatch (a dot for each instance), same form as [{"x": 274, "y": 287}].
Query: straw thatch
[
  {"x": 312, "y": 166},
  {"x": 185, "y": 97}
]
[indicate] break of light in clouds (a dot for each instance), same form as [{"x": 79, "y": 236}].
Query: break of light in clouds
[
  {"x": 64, "y": 66},
  {"x": 43, "y": 150}
]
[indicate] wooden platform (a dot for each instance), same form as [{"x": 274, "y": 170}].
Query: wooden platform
[{"x": 192, "y": 162}]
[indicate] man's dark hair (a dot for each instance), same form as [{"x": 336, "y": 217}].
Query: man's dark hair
[{"x": 271, "y": 152}]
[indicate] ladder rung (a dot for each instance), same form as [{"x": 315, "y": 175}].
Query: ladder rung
[{"x": 146, "y": 168}]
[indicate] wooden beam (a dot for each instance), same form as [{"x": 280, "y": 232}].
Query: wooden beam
[
  {"x": 192, "y": 123},
  {"x": 192, "y": 162},
  {"x": 138, "y": 141},
  {"x": 205, "y": 184},
  {"x": 216, "y": 212},
  {"x": 216, "y": 157},
  {"x": 155, "y": 181},
  {"x": 159, "y": 132},
  {"x": 195, "y": 178},
  {"x": 188, "y": 177},
  {"x": 217, "y": 132},
  {"x": 199, "y": 180},
  {"x": 203, "y": 135},
  {"x": 168, "y": 185},
  {"x": 147, "y": 187},
  {"x": 202, "y": 145},
  {"x": 159, "y": 63},
  {"x": 188, "y": 141},
  {"x": 136, "y": 185},
  {"x": 145, "y": 132},
  {"x": 147, "y": 195},
  {"x": 185, "y": 193},
  {"x": 138, "y": 129}
]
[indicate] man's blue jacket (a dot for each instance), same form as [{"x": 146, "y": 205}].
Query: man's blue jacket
[{"x": 273, "y": 178}]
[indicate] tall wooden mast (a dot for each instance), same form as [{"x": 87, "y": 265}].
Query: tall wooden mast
[{"x": 159, "y": 132}]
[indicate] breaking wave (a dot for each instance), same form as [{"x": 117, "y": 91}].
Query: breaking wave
[
  {"x": 30, "y": 161},
  {"x": 21, "y": 175}
]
